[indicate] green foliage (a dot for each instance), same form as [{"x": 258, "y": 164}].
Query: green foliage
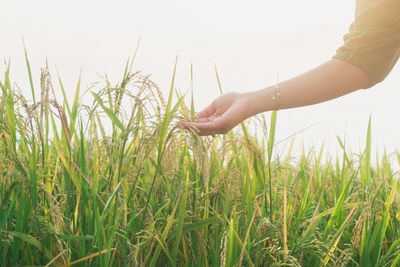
[{"x": 119, "y": 183}]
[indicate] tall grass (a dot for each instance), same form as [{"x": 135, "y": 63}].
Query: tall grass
[{"x": 118, "y": 183}]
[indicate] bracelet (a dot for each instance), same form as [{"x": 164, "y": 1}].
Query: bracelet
[{"x": 277, "y": 95}]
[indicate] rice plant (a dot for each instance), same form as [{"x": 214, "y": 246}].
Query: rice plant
[{"x": 118, "y": 183}]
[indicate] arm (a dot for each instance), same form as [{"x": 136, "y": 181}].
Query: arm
[
  {"x": 330, "y": 80},
  {"x": 370, "y": 50},
  {"x": 327, "y": 81}
]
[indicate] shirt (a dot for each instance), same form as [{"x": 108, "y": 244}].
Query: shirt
[{"x": 373, "y": 41}]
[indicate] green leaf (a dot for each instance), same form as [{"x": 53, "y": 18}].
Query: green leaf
[{"x": 109, "y": 112}]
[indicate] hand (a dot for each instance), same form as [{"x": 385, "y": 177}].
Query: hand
[{"x": 224, "y": 113}]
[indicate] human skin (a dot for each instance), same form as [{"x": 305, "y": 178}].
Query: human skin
[{"x": 330, "y": 80}]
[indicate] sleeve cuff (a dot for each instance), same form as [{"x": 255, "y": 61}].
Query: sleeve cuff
[{"x": 359, "y": 62}]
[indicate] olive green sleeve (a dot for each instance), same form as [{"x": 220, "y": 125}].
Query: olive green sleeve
[{"x": 373, "y": 40}]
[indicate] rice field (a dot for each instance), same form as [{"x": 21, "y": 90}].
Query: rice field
[{"x": 117, "y": 182}]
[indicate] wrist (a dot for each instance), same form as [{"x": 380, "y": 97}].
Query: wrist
[
  {"x": 261, "y": 101},
  {"x": 249, "y": 99}
]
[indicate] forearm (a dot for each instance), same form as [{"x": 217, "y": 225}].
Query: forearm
[{"x": 330, "y": 80}]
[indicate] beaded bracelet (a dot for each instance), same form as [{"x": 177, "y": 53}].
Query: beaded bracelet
[{"x": 277, "y": 95}]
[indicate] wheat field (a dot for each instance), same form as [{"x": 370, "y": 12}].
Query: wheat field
[{"x": 117, "y": 182}]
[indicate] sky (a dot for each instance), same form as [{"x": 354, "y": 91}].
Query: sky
[{"x": 250, "y": 42}]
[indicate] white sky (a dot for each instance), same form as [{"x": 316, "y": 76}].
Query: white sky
[{"x": 249, "y": 41}]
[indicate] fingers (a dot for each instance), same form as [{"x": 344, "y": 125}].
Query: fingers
[
  {"x": 215, "y": 126},
  {"x": 207, "y": 112},
  {"x": 219, "y": 124},
  {"x": 203, "y": 128},
  {"x": 219, "y": 117},
  {"x": 206, "y": 128},
  {"x": 210, "y": 125},
  {"x": 205, "y": 123}
]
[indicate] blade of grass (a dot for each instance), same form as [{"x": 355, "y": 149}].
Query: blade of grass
[{"x": 114, "y": 119}]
